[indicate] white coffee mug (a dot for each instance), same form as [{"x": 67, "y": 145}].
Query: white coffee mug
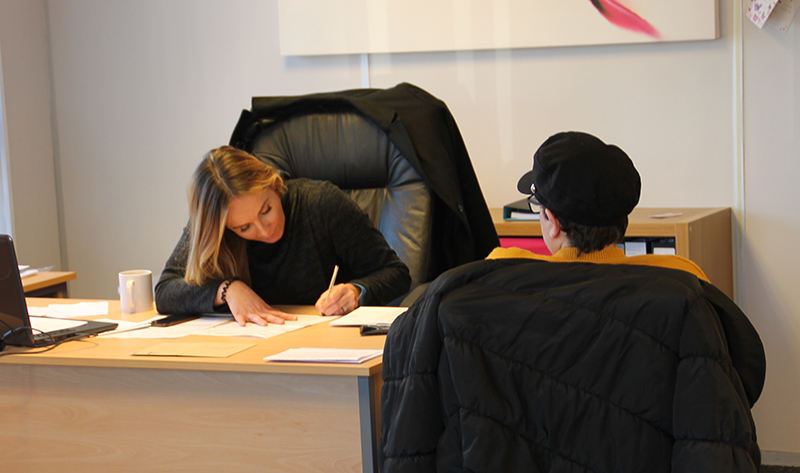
[{"x": 136, "y": 290}]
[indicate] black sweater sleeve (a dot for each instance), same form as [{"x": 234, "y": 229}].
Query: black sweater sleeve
[
  {"x": 173, "y": 294},
  {"x": 364, "y": 250}
]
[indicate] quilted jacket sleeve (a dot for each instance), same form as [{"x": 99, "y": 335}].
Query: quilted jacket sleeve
[
  {"x": 713, "y": 425},
  {"x": 412, "y": 419}
]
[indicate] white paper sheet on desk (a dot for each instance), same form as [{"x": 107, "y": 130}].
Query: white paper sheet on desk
[
  {"x": 46, "y": 324},
  {"x": 80, "y": 309},
  {"x": 326, "y": 355},
  {"x": 25, "y": 270},
  {"x": 233, "y": 329},
  {"x": 369, "y": 315},
  {"x": 191, "y": 327},
  {"x": 125, "y": 325}
]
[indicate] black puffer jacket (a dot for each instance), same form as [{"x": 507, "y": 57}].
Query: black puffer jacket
[{"x": 520, "y": 365}]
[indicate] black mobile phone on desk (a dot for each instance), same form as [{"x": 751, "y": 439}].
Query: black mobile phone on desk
[
  {"x": 173, "y": 319},
  {"x": 375, "y": 329}
]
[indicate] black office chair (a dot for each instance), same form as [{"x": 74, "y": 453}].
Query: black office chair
[{"x": 397, "y": 152}]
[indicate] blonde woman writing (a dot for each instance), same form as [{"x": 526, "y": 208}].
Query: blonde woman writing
[{"x": 254, "y": 239}]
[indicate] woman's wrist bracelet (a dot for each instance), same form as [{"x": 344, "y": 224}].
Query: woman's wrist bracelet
[{"x": 225, "y": 285}]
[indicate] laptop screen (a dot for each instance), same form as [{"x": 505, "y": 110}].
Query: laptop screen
[
  {"x": 15, "y": 324},
  {"x": 13, "y": 310}
]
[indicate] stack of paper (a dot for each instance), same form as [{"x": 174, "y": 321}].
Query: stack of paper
[
  {"x": 208, "y": 349},
  {"x": 191, "y": 327},
  {"x": 46, "y": 324},
  {"x": 76, "y": 310},
  {"x": 25, "y": 270},
  {"x": 369, "y": 315},
  {"x": 233, "y": 329},
  {"x": 326, "y": 355}
]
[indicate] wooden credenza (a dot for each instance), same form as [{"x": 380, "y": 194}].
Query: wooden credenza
[
  {"x": 47, "y": 284},
  {"x": 703, "y": 235}
]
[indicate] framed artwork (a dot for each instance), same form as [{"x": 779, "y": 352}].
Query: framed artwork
[{"x": 322, "y": 27}]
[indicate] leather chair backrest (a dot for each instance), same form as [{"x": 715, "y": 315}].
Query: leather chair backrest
[{"x": 350, "y": 151}]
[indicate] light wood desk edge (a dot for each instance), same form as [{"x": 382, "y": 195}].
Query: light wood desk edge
[
  {"x": 350, "y": 390},
  {"x": 47, "y": 283}
]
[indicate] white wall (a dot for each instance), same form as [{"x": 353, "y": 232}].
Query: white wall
[
  {"x": 28, "y": 140},
  {"x": 642, "y": 97},
  {"x": 772, "y": 265},
  {"x": 5, "y": 181},
  {"x": 143, "y": 89}
]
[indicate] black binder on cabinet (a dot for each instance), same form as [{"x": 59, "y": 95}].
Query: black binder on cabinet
[{"x": 519, "y": 210}]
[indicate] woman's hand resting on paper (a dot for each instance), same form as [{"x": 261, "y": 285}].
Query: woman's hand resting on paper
[
  {"x": 247, "y": 306},
  {"x": 342, "y": 299}
]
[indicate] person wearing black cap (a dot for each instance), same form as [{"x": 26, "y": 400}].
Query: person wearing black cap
[
  {"x": 561, "y": 364},
  {"x": 584, "y": 190}
]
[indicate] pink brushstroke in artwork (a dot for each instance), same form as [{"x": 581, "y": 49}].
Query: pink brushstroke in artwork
[{"x": 624, "y": 18}]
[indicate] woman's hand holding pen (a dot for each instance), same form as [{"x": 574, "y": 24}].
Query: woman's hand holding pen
[
  {"x": 247, "y": 306},
  {"x": 338, "y": 300}
]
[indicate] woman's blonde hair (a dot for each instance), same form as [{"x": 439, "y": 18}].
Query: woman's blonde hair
[{"x": 215, "y": 252}]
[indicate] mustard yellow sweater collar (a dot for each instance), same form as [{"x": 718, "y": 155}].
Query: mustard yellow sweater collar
[{"x": 571, "y": 254}]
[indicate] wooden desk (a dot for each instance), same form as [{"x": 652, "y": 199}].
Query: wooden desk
[
  {"x": 47, "y": 284},
  {"x": 702, "y": 235},
  {"x": 91, "y": 406}
]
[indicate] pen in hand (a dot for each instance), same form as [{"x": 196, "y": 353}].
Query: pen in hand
[{"x": 333, "y": 281}]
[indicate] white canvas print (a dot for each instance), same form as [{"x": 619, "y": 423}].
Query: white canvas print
[{"x": 317, "y": 27}]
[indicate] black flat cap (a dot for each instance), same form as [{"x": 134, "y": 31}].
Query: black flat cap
[{"x": 583, "y": 180}]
